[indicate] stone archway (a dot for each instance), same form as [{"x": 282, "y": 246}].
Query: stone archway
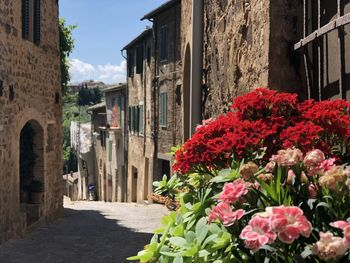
[
  {"x": 186, "y": 94},
  {"x": 31, "y": 170}
]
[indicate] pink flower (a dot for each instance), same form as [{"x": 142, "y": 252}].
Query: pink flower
[
  {"x": 327, "y": 165},
  {"x": 287, "y": 157},
  {"x": 313, "y": 191},
  {"x": 345, "y": 226},
  {"x": 329, "y": 247},
  {"x": 314, "y": 158},
  {"x": 270, "y": 167},
  {"x": 205, "y": 123},
  {"x": 258, "y": 233},
  {"x": 224, "y": 213},
  {"x": 290, "y": 223},
  {"x": 291, "y": 177},
  {"x": 233, "y": 191}
]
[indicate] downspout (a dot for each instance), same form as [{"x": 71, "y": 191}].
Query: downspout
[
  {"x": 196, "y": 65},
  {"x": 155, "y": 97}
]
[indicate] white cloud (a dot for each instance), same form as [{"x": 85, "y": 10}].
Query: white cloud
[
  {"x": 108, "y": 73},
  {"x": 116, "y": 73}
]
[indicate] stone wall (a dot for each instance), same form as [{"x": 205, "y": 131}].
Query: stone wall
[
  {"x": 30, "y": 75},
  {"x": 141, "y": 145},
  {"x": 236, "y": 50},
  {"x": 169, "y": 74}
]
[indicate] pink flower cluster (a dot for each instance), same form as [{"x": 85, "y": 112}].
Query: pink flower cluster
[
  {"x": 287, "y": 157},
  {"x": 286, "y": 223},
  {"x": 224, "y": 213},
  {"x": 330, "y": 247},
  {"x": 316, "y": 162},
  {"x": 231, "y": 193}
]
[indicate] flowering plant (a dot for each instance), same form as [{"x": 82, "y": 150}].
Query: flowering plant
[{"x": 265, "y": 183}]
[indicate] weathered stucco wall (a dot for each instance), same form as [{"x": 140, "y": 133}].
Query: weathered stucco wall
[{"x": 31, "y": 76}]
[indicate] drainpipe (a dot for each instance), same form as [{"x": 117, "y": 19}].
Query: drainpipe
[{"x": 196, "y": 65}]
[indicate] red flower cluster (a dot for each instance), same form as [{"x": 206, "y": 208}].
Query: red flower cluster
[{"x": 265, "y": 119}]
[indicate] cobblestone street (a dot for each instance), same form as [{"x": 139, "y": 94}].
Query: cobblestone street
[{"x": 93, "y": 232}]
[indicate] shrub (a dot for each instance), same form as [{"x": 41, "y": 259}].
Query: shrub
[{"x": 248, "y": 194}]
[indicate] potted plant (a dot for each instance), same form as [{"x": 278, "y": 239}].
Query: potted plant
[{"x": 36, "y": 191}]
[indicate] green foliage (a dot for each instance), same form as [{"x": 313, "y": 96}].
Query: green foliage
[
  {"x": 66, "y": 48},
  {"x": 71, "y": 112},
  {"x": 88, "y": 96},
  {"x": 166, "y": 187}
]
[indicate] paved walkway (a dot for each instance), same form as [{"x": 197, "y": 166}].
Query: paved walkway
[{"x": 89, "y": 232}]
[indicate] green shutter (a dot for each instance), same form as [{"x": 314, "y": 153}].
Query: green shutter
[
  {"x": 137, "y": 118},
  {"x": 163, "y": 114},
  {"x": 37, "y": 21},
  {"x": 25, "y": 19},
  {"x": 141, "y": 119}
]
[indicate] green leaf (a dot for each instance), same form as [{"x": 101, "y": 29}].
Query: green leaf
[
  {"x": 190, "y": 236},
  {"x": 203, "y": 253},
  {"x": 178, "y": 259},
  {"x": 178, "y": 241},
  {"x": 178, "y": 230},
  {"x": 191, "y": 251},
  {"x": 201, "y": 230}
]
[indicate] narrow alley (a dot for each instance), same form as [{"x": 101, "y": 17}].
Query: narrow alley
[{"x": 88, "y": 232}]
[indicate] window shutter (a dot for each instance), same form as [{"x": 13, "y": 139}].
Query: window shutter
[
  {"x": 139, "y": 60},
  {"x": 37, "y": 21},
  {"x": 25, "y": 19},
  {"x": 141, "y": 119},
  {"x": 137, "y": 118}
]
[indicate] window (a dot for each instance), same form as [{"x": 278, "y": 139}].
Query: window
[
  {"x": 139, "y": 60},
  {"x": 131, "y": 62},
  {"x": 120, "y": 110},
  {"x": 136, "y": 119},
  {"x": 31, "y": 14},
  {"x": 164, "y": 43},
  {"x": 141, "y": 119},
  {"x": 325, "y": 47},
  {"x": 163, "y": 111}
]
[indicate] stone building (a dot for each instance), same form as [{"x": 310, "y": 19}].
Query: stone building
[
  {"x": 30, "y": 114},
  {"x": 167, "y": 83},
  {"x": 141, "y": 118},
  {"x": 98, "y": 124},
  {"x": 109, "y": 142},
  {"x": 154, "y": 99}
]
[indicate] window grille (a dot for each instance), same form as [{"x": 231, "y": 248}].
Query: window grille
[{"x": 325, "y": 48}]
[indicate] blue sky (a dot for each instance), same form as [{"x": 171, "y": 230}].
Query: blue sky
[{"x": 104, "y": 27}]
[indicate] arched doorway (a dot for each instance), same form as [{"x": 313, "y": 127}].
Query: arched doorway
[
  {"x": 186, "y": 94},
  {"x": 31, "y": 170}
]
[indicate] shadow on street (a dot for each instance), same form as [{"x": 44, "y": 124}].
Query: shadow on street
[{"x": 80, "y": 236}]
